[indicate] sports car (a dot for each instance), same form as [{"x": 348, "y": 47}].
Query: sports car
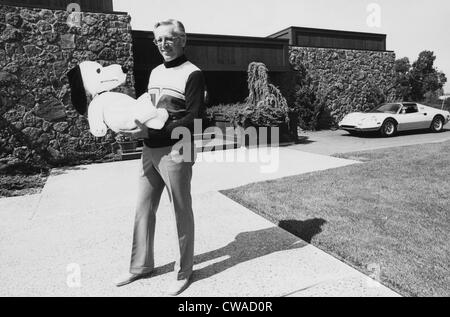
[{"x": 390, "y": 118}]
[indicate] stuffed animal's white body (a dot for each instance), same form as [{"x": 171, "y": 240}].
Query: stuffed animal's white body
[
  {"x": 107, "y": 109},
  {"x": 119, "y": 111}
]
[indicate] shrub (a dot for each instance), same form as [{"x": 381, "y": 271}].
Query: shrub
[
  {"x": 265, "y": 105},
  {"x": 308, "y": 99},
  {"x": 226, "y": 112},
  {"x": 303, "y": 97}
]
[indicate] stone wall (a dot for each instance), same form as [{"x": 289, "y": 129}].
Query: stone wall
[
  {"x": 348, "y": 78},
  {"x": 37, "y": 48}
]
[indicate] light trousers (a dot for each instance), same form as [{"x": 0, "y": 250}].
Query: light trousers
[{"x": 161, "y": 169}]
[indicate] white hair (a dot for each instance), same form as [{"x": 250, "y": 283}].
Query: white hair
[{"x": 179, "y": 27}]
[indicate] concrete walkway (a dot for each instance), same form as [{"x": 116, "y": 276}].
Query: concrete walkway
[{"x": 75, "y": 237}]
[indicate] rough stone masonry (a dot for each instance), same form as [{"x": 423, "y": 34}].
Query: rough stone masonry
[
  {"x": 37, "y": 48},
  {"x": 349, "y": 77}
]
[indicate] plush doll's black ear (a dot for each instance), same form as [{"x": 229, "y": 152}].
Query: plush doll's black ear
[{"x": 77, "y": 92}]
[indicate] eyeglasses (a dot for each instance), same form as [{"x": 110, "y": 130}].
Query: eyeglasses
[{"x": 167, "y": 40}]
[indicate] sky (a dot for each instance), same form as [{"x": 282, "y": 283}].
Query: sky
[{"x": 411, "y": 25}]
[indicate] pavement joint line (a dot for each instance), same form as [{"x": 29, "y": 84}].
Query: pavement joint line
[
  {"x": 325, "y": 279},
  {"x": 376, "y": 284},
  {"x": 37, "y": 205}
]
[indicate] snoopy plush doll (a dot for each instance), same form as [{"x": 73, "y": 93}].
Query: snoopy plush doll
[{"x": 110, "y": 109}]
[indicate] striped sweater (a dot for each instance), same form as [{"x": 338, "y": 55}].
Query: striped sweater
[{"x": 179, "y": 87}]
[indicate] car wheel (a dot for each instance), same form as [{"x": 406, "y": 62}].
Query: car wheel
[
  {"x": 437, "y": 125},
  {"x": 389, "y": 128}
]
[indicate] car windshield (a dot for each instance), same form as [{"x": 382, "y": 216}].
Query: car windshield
[{"x": 386, "y": 108}]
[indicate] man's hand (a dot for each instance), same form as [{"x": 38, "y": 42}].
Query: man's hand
[{"x": 141, "y": 132}]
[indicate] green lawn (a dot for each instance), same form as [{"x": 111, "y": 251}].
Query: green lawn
[{"x": 392, "y": 212}]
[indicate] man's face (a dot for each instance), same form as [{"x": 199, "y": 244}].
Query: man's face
[{"x": 170, "y": 44}]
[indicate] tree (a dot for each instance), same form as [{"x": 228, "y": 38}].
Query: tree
[
  {"x": 417, "y": 81},
  {"x": 432, "y": 97},
  {"x": 403, "y": 89},
  {"x": 424, "y": 77}
]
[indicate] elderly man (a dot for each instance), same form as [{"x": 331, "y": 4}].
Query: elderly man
[{"x": 178, "y": 86}]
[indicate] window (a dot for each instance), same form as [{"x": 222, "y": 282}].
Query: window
[{"x": 412, "y": 108}]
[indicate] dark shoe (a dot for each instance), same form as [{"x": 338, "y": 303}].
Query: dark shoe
[
  {"x": 178, "y": 286},
  {"x": 130, "y": 278}
]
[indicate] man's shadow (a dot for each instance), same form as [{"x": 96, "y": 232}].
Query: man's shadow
[{"x": 253, "y": 244}]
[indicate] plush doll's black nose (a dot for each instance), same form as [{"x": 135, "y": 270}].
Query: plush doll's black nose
[{"x": 125, "y": 70}]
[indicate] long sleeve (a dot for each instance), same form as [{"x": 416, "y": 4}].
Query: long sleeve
[{"x": 194, "y": 99}]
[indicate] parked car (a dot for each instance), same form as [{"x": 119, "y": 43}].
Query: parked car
[{"x": 390, "y": 118}]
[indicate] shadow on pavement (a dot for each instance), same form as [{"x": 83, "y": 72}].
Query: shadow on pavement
[
  {"x": 304, "y": 140},
  {"x": 64, "y": 170},
  {"x": 251, "y": 245}
]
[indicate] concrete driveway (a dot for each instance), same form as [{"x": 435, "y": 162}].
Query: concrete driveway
[{"x": 329, "y": 142}]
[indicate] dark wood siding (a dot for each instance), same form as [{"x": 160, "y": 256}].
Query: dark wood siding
[
  {"x": 308, "y": 37},
  {"x": 218, "y": 52},
  {"x": 212, "y": 53},
  {"x": 340, "y": 42},
  {"x": 234, "y": 57},
  {"x": 86, "y": 5}
]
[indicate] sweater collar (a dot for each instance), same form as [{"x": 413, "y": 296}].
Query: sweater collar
[{"x": 176, "y": 62}]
